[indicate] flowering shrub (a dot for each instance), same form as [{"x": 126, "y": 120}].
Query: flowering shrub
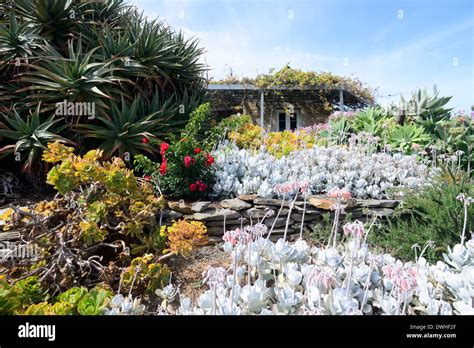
[
  {"x": 294, "y": 278},
  {"x": 241, "y": 171},
  {"x": 185, "y": 169},
  {"x": 184, "y": 236},
  {"x": 277, "y": 143},
  {"x": 107, "y": 189},
  {"x": 220, "y": 131}
]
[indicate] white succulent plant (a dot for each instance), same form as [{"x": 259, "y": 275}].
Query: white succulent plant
[
  {"x": 292, "y": 278},
  {"x": 240, "y": 171},
  {"x": 120, "y": 305}
]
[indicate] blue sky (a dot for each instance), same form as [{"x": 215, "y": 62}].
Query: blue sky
[{"x": 392, "y": 45}]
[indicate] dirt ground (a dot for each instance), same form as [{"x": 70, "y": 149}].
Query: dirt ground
[{"x": 187, "y": 272}]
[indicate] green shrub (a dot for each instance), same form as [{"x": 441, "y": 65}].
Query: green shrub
[
  {"x": 185, "y": 169},
  {"x": 432, "y": 214},
  {"x": 219, "y": 132}
]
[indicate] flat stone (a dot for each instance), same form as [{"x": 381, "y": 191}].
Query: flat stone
[
  {"x": 235, "y": 204},
  {"x": 281, "y": 221},
  {"x": 247, "y": 198},
  {"x": 328, "y": 203},
  {"x": 236, "y": 222},
  {"x": 256, "y": 213},
  {"x": 271, "y": 201},
  {"x": 309, "y": 209},
  {"x": 215, "y": 231},
  {"x": 214, "y": 214},
  {"x": 181, "y": 206},
  {"x": 298, "y": 217},
  {"x": 200, "y": 206},
  {"x": 378, "y": 203},
  {"x": 168, "y": 213},
  {"x": 280, "y": 231},
  {"x": 284, "y": 211}
]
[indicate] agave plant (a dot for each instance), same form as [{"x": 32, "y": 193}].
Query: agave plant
[
  {"x": 426, "y": 110},
  {"x": 30, "y": 135},
  {"x": 125, "y": 128},
  {"x": 53, "y": 19},
  {"x": 169, "y": 58},
  {"x": 403, "y": 138},
  {"x": 75, "y": 78},
  {"x": 99, "y": 52},
  {"x": 16, "y": 40},
  {"x": 100, "y": 12},
  {"x": 371, "y": 120}
]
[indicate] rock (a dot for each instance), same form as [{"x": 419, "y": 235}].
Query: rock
[
  {"x": 281, "y": 231},
  {"x": 279, "y": 222},
  {"x": 309, "y": 209},
  {"x": 298, "y": 217},
  {"x": 215, "y": 231},
  {"x": 236, "y": 222},
  {"x": 247, "y": 198},
  {"x": 200, "y": 206},
  {"x": 168, "y": 213},
  {"x": 378, "y": 203},
  {"x": 181, "y": 206},
  {"x": 256, "y": 213},
  {"x": 380, "y": 212},
  {"x": 235, "y": 204},
  {"x": 271, "y": 201},
  {"x": 327, "y": 203},
  {"x": 284, "y": 211},
  {"x": 214, "y": 214}
]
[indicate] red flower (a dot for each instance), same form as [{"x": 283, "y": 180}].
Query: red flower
[
  {"x": 197, "y": 150},
  {"x": 163, "y": 147},
  {"x": 192, "y": 187},
  {"x": 188, "y": 161},
  {"x": 202, "y": 187},
  {"x": 163, "y": 167},
  {"x": 147, "y": 177},
  {"x": 209, "y": 160},
  {"x": 145, "y": 141}
]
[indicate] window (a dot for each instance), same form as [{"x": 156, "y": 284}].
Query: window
[
  {"x": 293, "y": 122},
  {"x": 287, "y": 122},
  {"x": 281, "y": 121}
]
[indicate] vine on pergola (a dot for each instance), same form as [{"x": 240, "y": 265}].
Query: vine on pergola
[{"x": 325, "y": 83}]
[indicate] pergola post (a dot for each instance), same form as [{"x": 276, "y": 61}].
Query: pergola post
[
  {"x": 341, "y": 99},
  {"x": 262, "y": 108}
]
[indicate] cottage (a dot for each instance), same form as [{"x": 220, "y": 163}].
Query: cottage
[{"x": 282, "y": 108}]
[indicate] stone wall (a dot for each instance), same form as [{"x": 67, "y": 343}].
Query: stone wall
[{"x": 250, "y": 209}]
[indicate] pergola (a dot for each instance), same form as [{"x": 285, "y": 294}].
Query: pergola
[{"x": 225, "y": 95}]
